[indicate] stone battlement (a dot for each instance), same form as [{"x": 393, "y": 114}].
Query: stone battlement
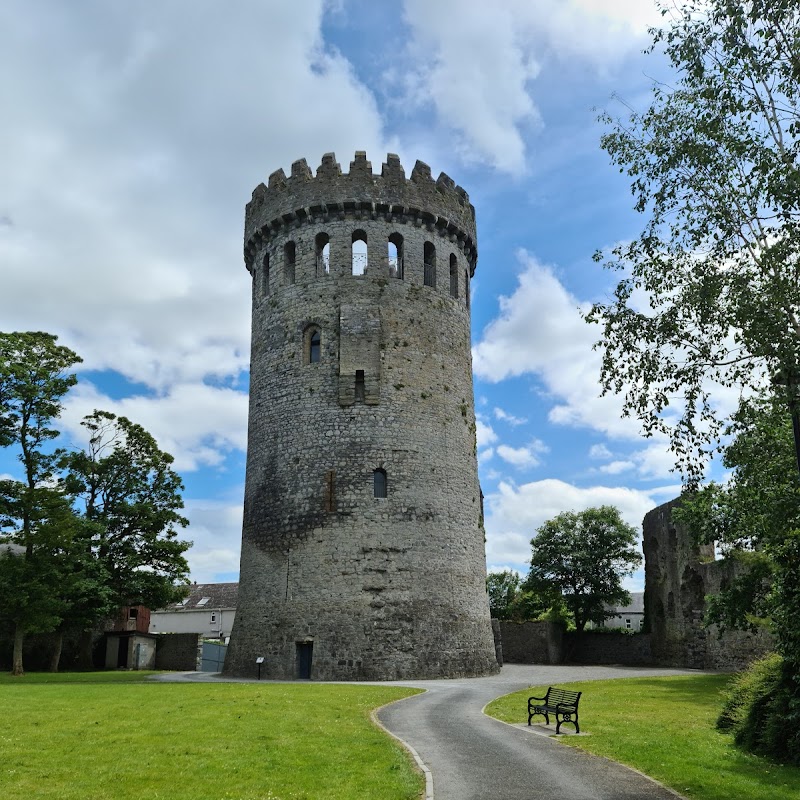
[{"x": 302, "y": 198}]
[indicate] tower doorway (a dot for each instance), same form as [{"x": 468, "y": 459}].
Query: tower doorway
[{"x": 304, "y": 655}]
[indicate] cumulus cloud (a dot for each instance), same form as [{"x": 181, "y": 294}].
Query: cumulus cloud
[
  {"x": 477, "y": 63},
  {"x": 513, "y": 513},
  {"x": 136, "y": 138},
  {"x": 215, "y": 529},
  {"x": 197, "y": 424},
  {"x": 509, "y": 418},
  {"x": 527, "y": 456},
  {"x": 484, "y": 433}
]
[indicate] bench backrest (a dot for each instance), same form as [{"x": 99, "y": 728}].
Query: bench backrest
[{"x": 563, "y": 696}]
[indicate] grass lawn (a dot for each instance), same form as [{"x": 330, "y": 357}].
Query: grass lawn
[
  {"x": 102, "y": 735},
  {"x": 664, "y": 727}
]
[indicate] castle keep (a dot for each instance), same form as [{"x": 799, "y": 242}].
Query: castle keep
[{"x": 362, "y": 543}]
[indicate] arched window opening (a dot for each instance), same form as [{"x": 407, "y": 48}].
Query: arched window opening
[
  {"x": 323, "y": 249},
  {"x": 429, "y": 258},
  {"x": 360, "y": 391},
  {"x": 379, "y": 483},
  {"x": 289, "y": 257},
  {"x": 312, "y": 345},
  {"x": 466, "y": 286},
  {"x": 396, "y": 256},
  {"x": 265, "y": 276},
  {"x": 359, "y": 253},
  {"x": 453, "y": 275}
]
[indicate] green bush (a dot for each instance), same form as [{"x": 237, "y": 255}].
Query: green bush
[{"x": 762, "y": 710}]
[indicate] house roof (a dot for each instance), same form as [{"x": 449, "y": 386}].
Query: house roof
[
  {"x": 208, "y": 595},
  {"x": 636, "y": 605}
]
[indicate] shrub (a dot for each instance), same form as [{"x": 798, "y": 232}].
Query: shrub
[{"x": 762, "y": 710}]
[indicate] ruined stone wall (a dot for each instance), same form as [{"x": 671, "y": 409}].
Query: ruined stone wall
[
  {"x": 678, "y": 576},
  {"x": 178, "y": 651},
  {"x": 600, "y": 647},
  {"x": 371, "y": 587}
]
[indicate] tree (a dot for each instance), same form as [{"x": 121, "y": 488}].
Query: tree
[
  {"x": 709, "y": 293},
  {"x": 583, "y": 557},
  {"x": 755, "y": 518},
  {"x": 502, "y": 588},
  {"x": 34, "y": 376},
  {"x": 127, "y": 490}
]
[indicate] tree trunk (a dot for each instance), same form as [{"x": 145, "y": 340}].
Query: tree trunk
[
  {"x": 55, "y": 655},
  {"x": 19, "y": 638},
  {"x": 85, "y": 660}
]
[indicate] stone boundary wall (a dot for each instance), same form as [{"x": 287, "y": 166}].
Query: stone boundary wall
[
  {"x": 531, "y": 642},
  {"x": 179, "y": 651},
  {"x": 592, "y": 647}
]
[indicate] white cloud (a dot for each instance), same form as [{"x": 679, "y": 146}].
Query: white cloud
[
  {"x": 484, "y": 433},
  {"x": 215, "y": 530},
  {"x": 615, "y": 467},
  {"x": 509, "y": 418},
  {"x": 600, "y": 451},
  {"x": 477, "y": 63},
  {"x": 513, "y": 513},
  {"x": 196, "y": 423},
  {"x": 522, "y": 456},
  {"x": 136, "y": 138}
]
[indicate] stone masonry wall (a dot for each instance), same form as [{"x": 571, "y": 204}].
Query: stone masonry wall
[
  {"x": 678, "y": 576},
  {"x": 178, "y": 651},
  {"x": 374, "y": 587},
  {"x": 531, "y": 642}
]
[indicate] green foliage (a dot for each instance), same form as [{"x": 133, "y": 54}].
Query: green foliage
[
  {"x": 581, "y": 558},
  {"x": 502, "y": 588},
  {"x": 762, "y": 710},
  {"x": 708, "y": 292},
  {"x": 76, "y": 565}
]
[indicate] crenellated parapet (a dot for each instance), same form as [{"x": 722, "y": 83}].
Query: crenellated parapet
[{"x": 303, "y": 198}]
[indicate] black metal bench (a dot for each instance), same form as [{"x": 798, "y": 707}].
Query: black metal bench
[{"x": 561, "y": 703}]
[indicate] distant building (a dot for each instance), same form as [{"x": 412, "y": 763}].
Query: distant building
[
  {"x": 209, "y": 610},
  {"x": 630, "y": 617},
  {"x": 128, "y": 643}
]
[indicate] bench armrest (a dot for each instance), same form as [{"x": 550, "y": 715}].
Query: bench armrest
[{"x": 537, "y": 698}]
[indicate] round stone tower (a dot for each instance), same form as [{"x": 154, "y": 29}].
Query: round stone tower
[{"x": 363, "y": 543}]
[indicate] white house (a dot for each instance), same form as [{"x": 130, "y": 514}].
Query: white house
[
  {"x": 630, "y": 617},
  {"x": 208, "y": 610}
]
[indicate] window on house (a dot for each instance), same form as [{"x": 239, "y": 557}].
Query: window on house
[
  {"x": 453, "y": 275},
  {"x": 314, "y": 346},
  {"x": 379, "y": 483},
  {"x": 627, "y": 623},
  {"x": 322, "y": 245},
  {"x": 289, "y": 258},
  {"x": 133, "y": 613},
  {"x": 213, "y": 616},
  {"x": 396, "y": 256},
  {"x": 265, "y": 276},
  {"x": 360, "y": 385},
  {"x": 429, "y": 258},
  {"x": 359, "y": 253}
]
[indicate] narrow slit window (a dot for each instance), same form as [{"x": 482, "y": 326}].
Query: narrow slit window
[
  {"x": 379, "y": 483},
  {"x": 323, "y": 250},
  {"x": 314, "y": 346},
  {"x": 453, "y": 275},
  {"x": 396, "y": 256},
  {"x": 359, "y": 253},
  {"x": 466, "y": 286},
  {"x": 360, "y": 386},
  {"x": 289, "y": 258},
  {"x": 265, "y": 276},
  {"x": 429, "y": 258}
]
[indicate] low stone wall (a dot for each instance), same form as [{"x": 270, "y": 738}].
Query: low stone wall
[
  {"x": 596, "y": 647},
  {"x": 179, "y": 651},
  {"x": 531, "y": 642}
]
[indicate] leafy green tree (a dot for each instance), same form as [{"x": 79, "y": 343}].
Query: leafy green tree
[
  {"x": 127, "y": 490},
  {"x": 502, "y": 588},
  {"x": 34, "y": 376},
  {"x": 583, "y": 556},
  {"x": 709, "y": 291}
]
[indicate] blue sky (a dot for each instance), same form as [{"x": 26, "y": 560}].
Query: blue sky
[{"x": 134, "y": 134}]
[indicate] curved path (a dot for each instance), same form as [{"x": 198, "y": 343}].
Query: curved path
[
  {"x": 473, "y": 757},
  {"x": 468, "y": 756}
]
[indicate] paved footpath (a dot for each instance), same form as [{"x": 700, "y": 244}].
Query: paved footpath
[{"x": 469, "y": 756}]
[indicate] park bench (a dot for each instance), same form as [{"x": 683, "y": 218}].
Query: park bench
[{"x": 561, "y": 703}]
